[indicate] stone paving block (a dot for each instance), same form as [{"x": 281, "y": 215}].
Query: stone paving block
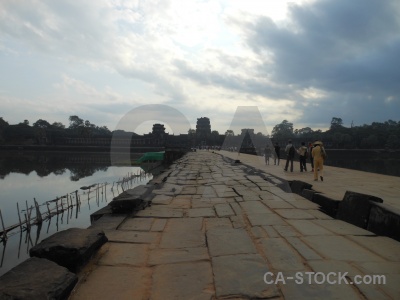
[
  {"x": 340, "y": 248},
  {"x": 295, "y": 214},
  {"x": 307, "y": 227},
  {"x": 161, "y": 200},
  {"x": 319, "y": 214},
  {"x": 125, "y": 254},
  {"x": 384, "y": 246},
  {"x": 258, "y": 232},
  {"x": 227, "y": 194},
  {"x": 379, "y": 267},
  {"x": 304, "y": 204},
  {"x": 188, "y": 190},
  {"x": 185, "y": 224},
  {"x": 242, "y": 274},
  {"x": 238, "y": 221},
  {"x": 183, "y": 239},
  {"x": 265, "y": 219},
  {"x": 201, "y": 212},
  {"x": 108, "y": 221},
  {"x": 224, "y": 210},
  {"x": 271, "y": 232},
  {"x": 281, "y": 255},
  {"x": 170, "y": 256},
  {"x": 161, "y": 212},
  {"x": 137, "y": 224},
  {"x": 180, "y": 203},
  {"x": 217, "y": 222},
  {"x": 226, "y": 241},
  {"x": 285, "y": 230},
  {"x": 292, "y": 290},
  {"x": 115, "y": 283},
  {"x": 340, "y": 267},
  {"x": 138, "y": 237},
  {"x": 303, "y": 249},
  {"x": 182, "y": 281},
  {"x": 342, "y": 228},
  {"x": 277, "y": 204},
  {"x": 37, "y": 278},
  {"x": 255, "y": 207},
  {"x": 159, "y": 225}
]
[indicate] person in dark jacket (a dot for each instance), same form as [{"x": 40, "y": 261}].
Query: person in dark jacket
[
  {"x": 277, "y": 154},
  {"x": 290, "y": 151}
]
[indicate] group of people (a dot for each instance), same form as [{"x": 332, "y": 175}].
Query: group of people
[{"x": 315, "y": 152}]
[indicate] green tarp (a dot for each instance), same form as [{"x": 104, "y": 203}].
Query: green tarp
[{"x": 152, "y": 156}]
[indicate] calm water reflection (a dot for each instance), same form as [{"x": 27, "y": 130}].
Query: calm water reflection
[{"x": 46, "y": 176}]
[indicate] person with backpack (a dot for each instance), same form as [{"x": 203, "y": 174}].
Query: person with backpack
[
  {"x": 290, "y": 151},
  {"x": 303, "y": 154}
]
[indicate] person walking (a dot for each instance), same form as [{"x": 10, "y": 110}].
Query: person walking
[
  {"x": 267, "y": 154},
  {"x": 277, "y": 156},
  {"x": 302, "y": 151},
  {"x": 310, "y": 147},
  {"x": 290, "y": 151},
  {"x": 319, "y": 155}
]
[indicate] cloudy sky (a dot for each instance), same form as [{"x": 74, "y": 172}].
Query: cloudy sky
[{"x": 304, "y": 61}]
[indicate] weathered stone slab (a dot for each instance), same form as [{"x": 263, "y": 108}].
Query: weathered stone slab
[
  {"x": 137, "y": 224},
  {"x": 342, "y": 228},
  {"x": 296, "y": 214},
  {"x": 70, "y": 248},
  {"x": 265, "y": 219},
  {"x": 305, "y": 291},
  {"x": 183, "y": 239},
  {"x": 384, "y": 246},
  {"x": 218, "y": 222},
  {"x": 258, "y": 232},
  {"x": 125, "y": 254},
  {"x": 224, "y": 210},
  {"x": 271, "y": 232},
  {"x": 277, "y": 204},
  {"x": 306, "y": 227},
  {"x": 182, "y": 281},
  {"x": 130, "y": 199},
  {"x": 117, "y": 282},
  {"x": 139, "y": 237},
  {"x": 285, "y": 230},
  {"x": 304, "y": 204},
  {"x": 37, "y": 278},
  {"x": 355, "y": 208},
  {"x": 255, "y": 207},
  {"x": 161, "y": 212},
  {"x": 319, "y": 214},
  {"x": 384, "y": 220},
  {"x": 242, "y": 274},
  {"x": 185, "y": 224},
  {"x": 201, "y": 212},
  {"x": 226, "y": 241},
  {"x": 281, "y": 255},
  {"x": 238, "y": 221},
  {"x": 171, "y": 256},
  {"x": 303, "y": 249},
  {"x": 108, "y": 221},
  {"x": 328, "y": 205},
  {"x": 339, "y": 248},
  {"x": 161, "y": 200},
  {"x": 159, "y": 225}
]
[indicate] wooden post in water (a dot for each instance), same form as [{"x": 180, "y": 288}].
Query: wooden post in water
[
  {"x": 76, "y": 195},
  {"x": 48, "y": 209},
  {"x": 4, "y": 228},
  {"x": 38, "y": 213},
  {"x": 19, "y": 218}
]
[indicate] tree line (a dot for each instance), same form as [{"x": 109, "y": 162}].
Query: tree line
[
  {"x": 385, "y": 135},
  {"x": 378, "y": 135}
]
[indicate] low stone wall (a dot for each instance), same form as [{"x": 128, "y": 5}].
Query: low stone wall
[{"x": 362, "y": 210}]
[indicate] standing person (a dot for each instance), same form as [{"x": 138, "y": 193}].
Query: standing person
[
  {"x": 267, "y": 154},
  {"x": 302, "y": 157},
  {"x": 310, "y": 147},
  {"x": 319, "y": 155},
  {"x": 277, "y": 153},
  {"x": 290, "y": 151}
]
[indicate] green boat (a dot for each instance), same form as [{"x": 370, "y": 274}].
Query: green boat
[{"x": 152, "y": 156}]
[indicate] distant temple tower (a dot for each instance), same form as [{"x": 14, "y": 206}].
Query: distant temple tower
[
  {"x": 158, "y": 130},
  {"x": 203, "y": 129}
]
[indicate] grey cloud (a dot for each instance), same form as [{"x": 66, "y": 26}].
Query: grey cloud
[{"x": 339, "y": 45}]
